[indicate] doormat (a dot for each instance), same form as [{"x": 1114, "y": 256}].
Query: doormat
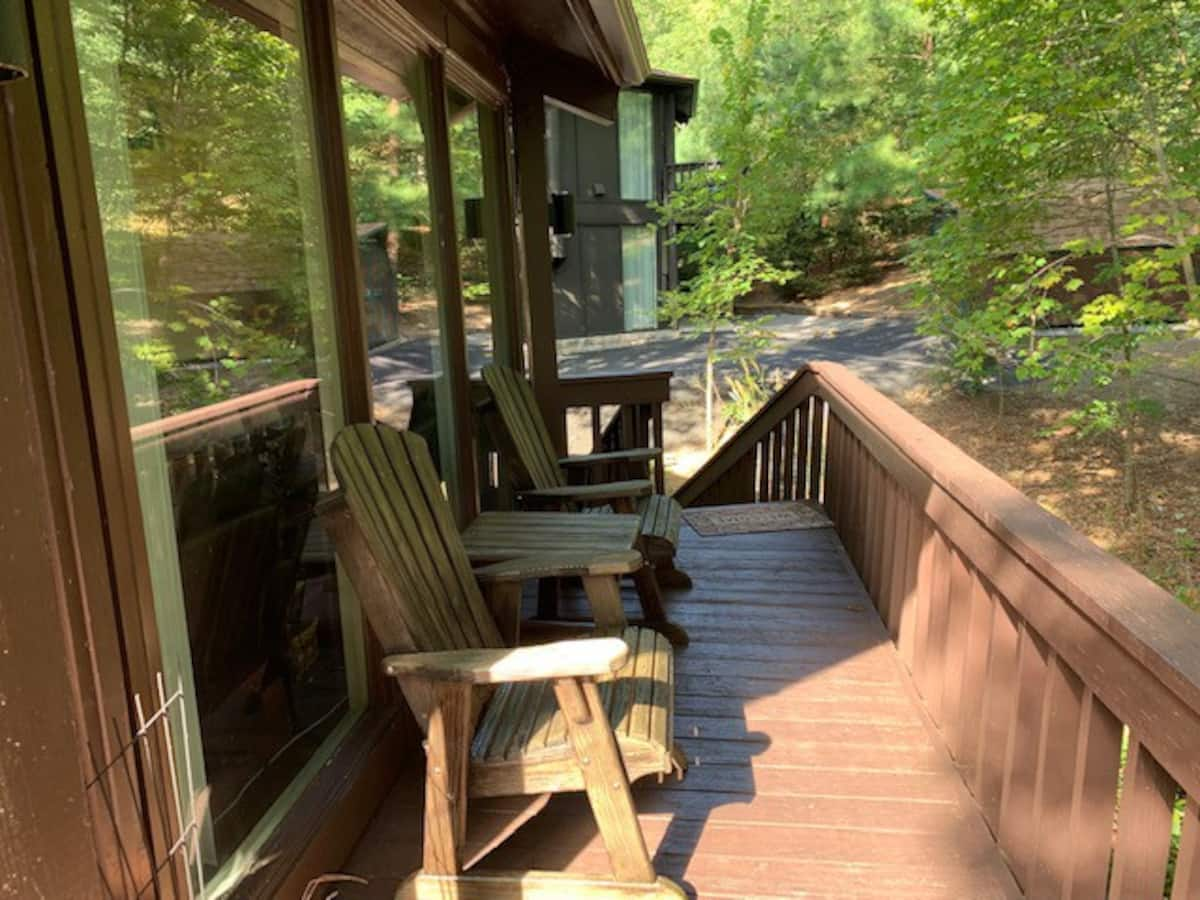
[{"x": 751, "y": 518}]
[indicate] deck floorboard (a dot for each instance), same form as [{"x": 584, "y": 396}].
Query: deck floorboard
[{"x": 814, "y": 771}]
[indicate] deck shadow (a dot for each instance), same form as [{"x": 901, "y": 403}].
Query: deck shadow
[{"x": 812, "y": 769}]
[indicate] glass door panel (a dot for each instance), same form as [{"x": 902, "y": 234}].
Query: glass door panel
[
  {"x": 201, "y": 146},
  {"x": 639, "y": 277},
  {"x": 635, "y": 136},
  {"x": 471, "y": 215}
]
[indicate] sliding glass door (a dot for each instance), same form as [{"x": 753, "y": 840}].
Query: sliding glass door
[{"x": 202, "y": 149}]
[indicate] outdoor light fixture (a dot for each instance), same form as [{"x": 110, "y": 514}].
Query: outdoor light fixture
[
  {"x": 473, "y": 218},
  {"x": 562, "y": 213}
]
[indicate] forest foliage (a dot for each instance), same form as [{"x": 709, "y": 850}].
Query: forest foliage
[
  {"x": 1036, "y": 161},
  {"x": 807, "y": 103},
  {"x": 203, "y": 149}
]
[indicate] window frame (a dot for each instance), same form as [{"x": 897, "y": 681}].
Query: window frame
[{"x": 338, "y": 799}]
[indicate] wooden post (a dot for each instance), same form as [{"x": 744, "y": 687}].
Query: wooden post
[
  {"x": 529, "y": 126},
  {"x": 604, "y": 598}
]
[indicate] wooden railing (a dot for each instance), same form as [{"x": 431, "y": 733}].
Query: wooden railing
[
  {"x": 634, "y": 405},
  {"x": 674, "y": 174},
  {"x": 625, "y": 412},
  {"x": 1065, "y": 684}
]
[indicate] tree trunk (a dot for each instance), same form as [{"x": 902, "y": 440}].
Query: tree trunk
[
  {"x": 709, "y": 388},
  {"x": 1128, "y": 414},
  {"x": 1129, "y": 440},
  {"x": 1001, "y": 392}
]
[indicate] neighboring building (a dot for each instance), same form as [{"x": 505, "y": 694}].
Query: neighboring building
[
  {"x": 1078, "y": 211},
  {"x": 202, "y": 228},
  {"x": 607, "y": 275}
]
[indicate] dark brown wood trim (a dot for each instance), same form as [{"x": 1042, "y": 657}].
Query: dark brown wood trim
[
  {"x": 49, "y": 845},
  {"x": 611, "y": 30},
  {"x": 113, "y": 624},
  {"x": 788, "y": 398},
  {"x": 1143, "y": 617},
  {"x": 567, "y": 81},
  {"x": 320, "y": 62},
  {"x": 323, "y": 826},
  {"x": 464, "y": 492},
  {"x": 343, "y": 262},
  {"x": 1129, "y": 641},
  {"x": 472, "y": 49}
]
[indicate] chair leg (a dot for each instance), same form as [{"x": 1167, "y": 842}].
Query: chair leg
[
  {"x": 604, "y": 597},
  {"x": 605, "y": 779},
  {"x": 447, "y": 752},
  {"x": 504, "y": 600},
  {"x": 661, "y": 554},
  {"x": 671, "y": 577},
  {"x": 548, "y": 594},
  {"x": 646, "y": 581}
]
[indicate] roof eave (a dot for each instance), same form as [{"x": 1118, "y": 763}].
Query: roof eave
[{"x": 615, "y": 39}]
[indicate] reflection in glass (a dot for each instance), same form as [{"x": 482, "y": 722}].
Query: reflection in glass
[
  {"x": 386, "y": 148},
  {"x": 466, "y": 160},
  {"x": 202, "y": 155}
]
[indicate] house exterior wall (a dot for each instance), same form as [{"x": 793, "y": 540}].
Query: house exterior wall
[
  {"x": 589, "y": 271},
  {"x": 91, "y": 796}
]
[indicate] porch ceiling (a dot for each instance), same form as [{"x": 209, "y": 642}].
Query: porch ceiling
[{"x": 599, "y": 34}]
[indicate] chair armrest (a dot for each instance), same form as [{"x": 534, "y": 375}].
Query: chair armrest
[
  {"x": 561, "y": 564},
  {"x": 637, "y": 454},
  {"x": 586, "y": 658},
  {"x": 593, "y": 493}
]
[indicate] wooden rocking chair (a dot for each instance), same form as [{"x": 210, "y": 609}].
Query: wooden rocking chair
[
  {"x": 591, "y": 714},
  {"x": 547, "y": 483}
]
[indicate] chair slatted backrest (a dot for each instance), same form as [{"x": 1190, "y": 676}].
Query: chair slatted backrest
[
  {"x": 525, "y": 425},
  {"x": 395, "y": 497}
]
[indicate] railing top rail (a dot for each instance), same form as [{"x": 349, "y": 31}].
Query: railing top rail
[
  {"x": 222, "y": 412},
  {"x": 1150, "y": 624},
  {"x": 635, "y": 387}
]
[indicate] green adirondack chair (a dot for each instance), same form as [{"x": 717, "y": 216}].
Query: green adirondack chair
[
  {"x": 544, "y": 474},
  {"x": 592, "y": 714}
]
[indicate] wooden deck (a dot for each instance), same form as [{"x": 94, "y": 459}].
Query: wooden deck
[{"x": 814, "y": 771}]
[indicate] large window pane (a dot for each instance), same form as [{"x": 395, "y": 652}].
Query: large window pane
[
  {"x": 635, "y": 125},
  {"x": 386, "y": 105},
  {"x": 202, "y": 151}
]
